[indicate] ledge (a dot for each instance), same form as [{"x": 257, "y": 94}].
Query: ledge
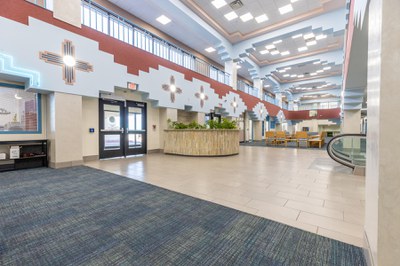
[{"x": 202, "y": 142}]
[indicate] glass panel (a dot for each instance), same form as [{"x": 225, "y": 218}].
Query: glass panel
[
  {"x": 112, "y": 142},
  {"x": 135, "y": 141},
  {"x": 112, "y": 119},
  {"x": 134, "y": 118},
  {"x": 18, "y": 110}
]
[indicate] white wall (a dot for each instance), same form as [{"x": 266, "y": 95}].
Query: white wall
[
  {"x": 317, "y": 125},
  {"x": 90, "y": 119}
]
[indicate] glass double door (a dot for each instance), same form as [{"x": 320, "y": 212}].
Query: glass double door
[{"x": 122, "y": 128}]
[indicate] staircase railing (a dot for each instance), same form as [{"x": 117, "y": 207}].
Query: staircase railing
[{"x": 348, "y": 149}]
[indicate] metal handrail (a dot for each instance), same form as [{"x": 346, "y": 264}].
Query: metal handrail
[{"x": 342, "y": 157}]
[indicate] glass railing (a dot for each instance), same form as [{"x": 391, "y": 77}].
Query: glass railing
[
  {"x": 101, "y": 19},
  {"x": 243, "y": 86},
  {"x": 48, "y": 4},
  {"x": 348, "y": 149}
]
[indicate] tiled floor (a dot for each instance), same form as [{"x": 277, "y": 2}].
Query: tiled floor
[{"x": 303, "y": 188}]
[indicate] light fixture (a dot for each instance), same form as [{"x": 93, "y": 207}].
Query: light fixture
[
  {"x": 202, "y": 96},
  {"x": 286, "y": 75},
  {"x": 285, "y": 53},
  {"x": 69, "y": 60},
  {"x": 172, "y": 88},
  {"x": 270, "y": 47},
  {"x": 261, "y": 18},
  {"x": 300, "y": 76},
  {"x": 276, "y": 42},
  {"x": 293, "y": 76},
  {"x": 264, "y": 52},
  {"x": 287, "y": 68},
  {"x": 293, "y": 1},
  {"x": 308, "y": 36},
  {"x": 163, "y": 20},
  {"x": 274, "y": 52},
  {"x": 285, "y": 9},
  {"x": 246, "y": 17},
  {"x": 218, "y": 3},
  {"x": 297, "y": 36},
  {"x": 320, "y": 37},
  {"x": 231, "y": 15},
  {"x": 302, "y": 49},
  {"x": 282, "y": 71},
  {"x": 317, "y": 62},
  {"x": 16, "y": 96},
  {"x": 320, "y": 71},
  {"x": 313, "y": 74},
  {"x": 210, "y": 49},
  {"x": 310, "y": 43},
  {"x": 237, "y": 66},
  {"x": 327, "y": 68}
]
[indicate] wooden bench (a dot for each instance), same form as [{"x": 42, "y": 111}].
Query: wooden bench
[{"x": 318, "y": 140}]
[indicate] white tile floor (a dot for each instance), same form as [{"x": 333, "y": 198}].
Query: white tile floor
[{"x": 303, "y": 188}]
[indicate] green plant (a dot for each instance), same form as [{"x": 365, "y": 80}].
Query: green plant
[
  {"x": 225, "y": 124},
  {"x": 211, "y": 124}
]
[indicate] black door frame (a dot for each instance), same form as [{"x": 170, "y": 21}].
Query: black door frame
[{"x": 143, "y": 149}]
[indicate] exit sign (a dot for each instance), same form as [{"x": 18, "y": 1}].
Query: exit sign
[{"x": 133, "y": 86}]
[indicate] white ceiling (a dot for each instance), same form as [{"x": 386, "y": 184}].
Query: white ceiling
[{"x": 198, "y": 24}]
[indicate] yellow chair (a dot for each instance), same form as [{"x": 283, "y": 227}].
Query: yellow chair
[
  {"x": 302, "y": 137},
  {"x": 317, "y": 140},
  {"x": 280, "y": 137},
  {"x": 269, "y": 137}
]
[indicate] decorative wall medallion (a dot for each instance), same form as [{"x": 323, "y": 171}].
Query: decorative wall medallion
[
  {"x": 67, "y": 61},
  {"x": 234, "y": 104},
  {"x": 172, "y": 88},
  {"x": 202, "y": 96}
]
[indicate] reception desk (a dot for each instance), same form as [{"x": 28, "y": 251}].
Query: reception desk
[{"x": 204, "y": 142}]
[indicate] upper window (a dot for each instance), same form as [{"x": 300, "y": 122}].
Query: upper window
[{"x": 19, "y": 110}]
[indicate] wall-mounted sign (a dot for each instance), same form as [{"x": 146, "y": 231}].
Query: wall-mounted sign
[{"x": 133, "y": 86}]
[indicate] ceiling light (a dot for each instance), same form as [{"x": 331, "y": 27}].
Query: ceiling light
[
  {"x": 237, "y": 66},
  {"x": 276, "y": 42},
  {"x": 300, "y": 76},
  {"x": 269, "y": 47},
  {"x": 302, "y": 49},
  {"x": 325, "y": 63},
  {"x": 309, "y": 36},
  {"x": 293, "y": 76},
  {"x": 286, "y": 75},
  {"x": 317, "y": 62},
  {"x": 202, "y": 96},
  {"x": 172, "y": 88},
  {"x": 69, "y": 60},
  {"x": 218, "y": 3},
  {"x": 297, "y": 36},
  {"x": 310, "y": 43},
  {"x": 285, "y": 53},
  {"x": 287, "y": 68},
  {"x": 313, "y": 74},
  {"x": 264, "y": 52},
  {"x": 261, "y": 18},
  {"x": 246, "y": 17},
  {"x": 286, "y": 9},
  {"x": 320, "y": 71},
  {"x": 282, "y": 71},
  {"x": 293, "y": 1},
  {"x": 16, "y": 96},
  {"x": 231, "y": 15},
  {"x": 163, "y": 19},
  {"x": 320, "y": 37},
  {"x": 210, "y": 49},
  {"x": 327, "y": 68},
  {"x": 274, "y": 52}
]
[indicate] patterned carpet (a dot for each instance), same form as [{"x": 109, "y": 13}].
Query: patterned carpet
[{"x": 82, "y": 216}]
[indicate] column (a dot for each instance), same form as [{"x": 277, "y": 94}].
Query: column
[
  {"x": 165, "y": 114},
  {"x": 231, "y": 69},
  {"x": 351, "y": 121},
  {"x": 278, "y": 98},
  {"x": 68, "y": 11},
  {"x": 382, "y": 212},
  {"x": 258, "y": 84},
  {"x": 64, "y": 129},
  {"x": 257, "y": 125}
]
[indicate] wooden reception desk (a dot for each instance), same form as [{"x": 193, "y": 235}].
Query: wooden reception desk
[{"x": 204, "y": 142}]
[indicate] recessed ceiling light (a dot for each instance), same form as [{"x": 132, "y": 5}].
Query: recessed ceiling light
[
  {"x": 320, "y": 37},
  {"x": 261, "y": 18},
  {"x": 286, "y": 9},
  {"x": 231, "y": 15},
  {"x": 293, "y": 76},
  {"x": 163, "y": 19},
  {"x": 327, "y": 68},
  {"x": 293, "y": 1},
  {"x": 264, "y": 52},
  {"x": 285, "y": 53},
  {"x": 210, "y": 49},
  {"x": 300, "y": 76},
  {"x": 69, "y": 60},
  {"x": 282, "y": 71},
  {"x": 308, "y": 36},
  {"x": 218, "y": 3},
  {"x": 246, "y": 17},
  {"x": 297, "y": 36},
  {"x": 269, "y": 47},
  {"x": 310, "y": 43},
  {"x": 286, "y": 75},
  {"x": 313, "y": 74},
  {"x": 302, "y": 49},
  {"x": 276, "y": 42},
  {"x": 274, "y": 52},
  {"x": 320, "y": 71},
  {"x": 317, "y": 62},
  {"x": 287, "y": 68},
  {"x": 237, "y": 66}
]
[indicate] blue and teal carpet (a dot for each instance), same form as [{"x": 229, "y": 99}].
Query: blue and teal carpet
[{"x": 83, "y": 216}]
